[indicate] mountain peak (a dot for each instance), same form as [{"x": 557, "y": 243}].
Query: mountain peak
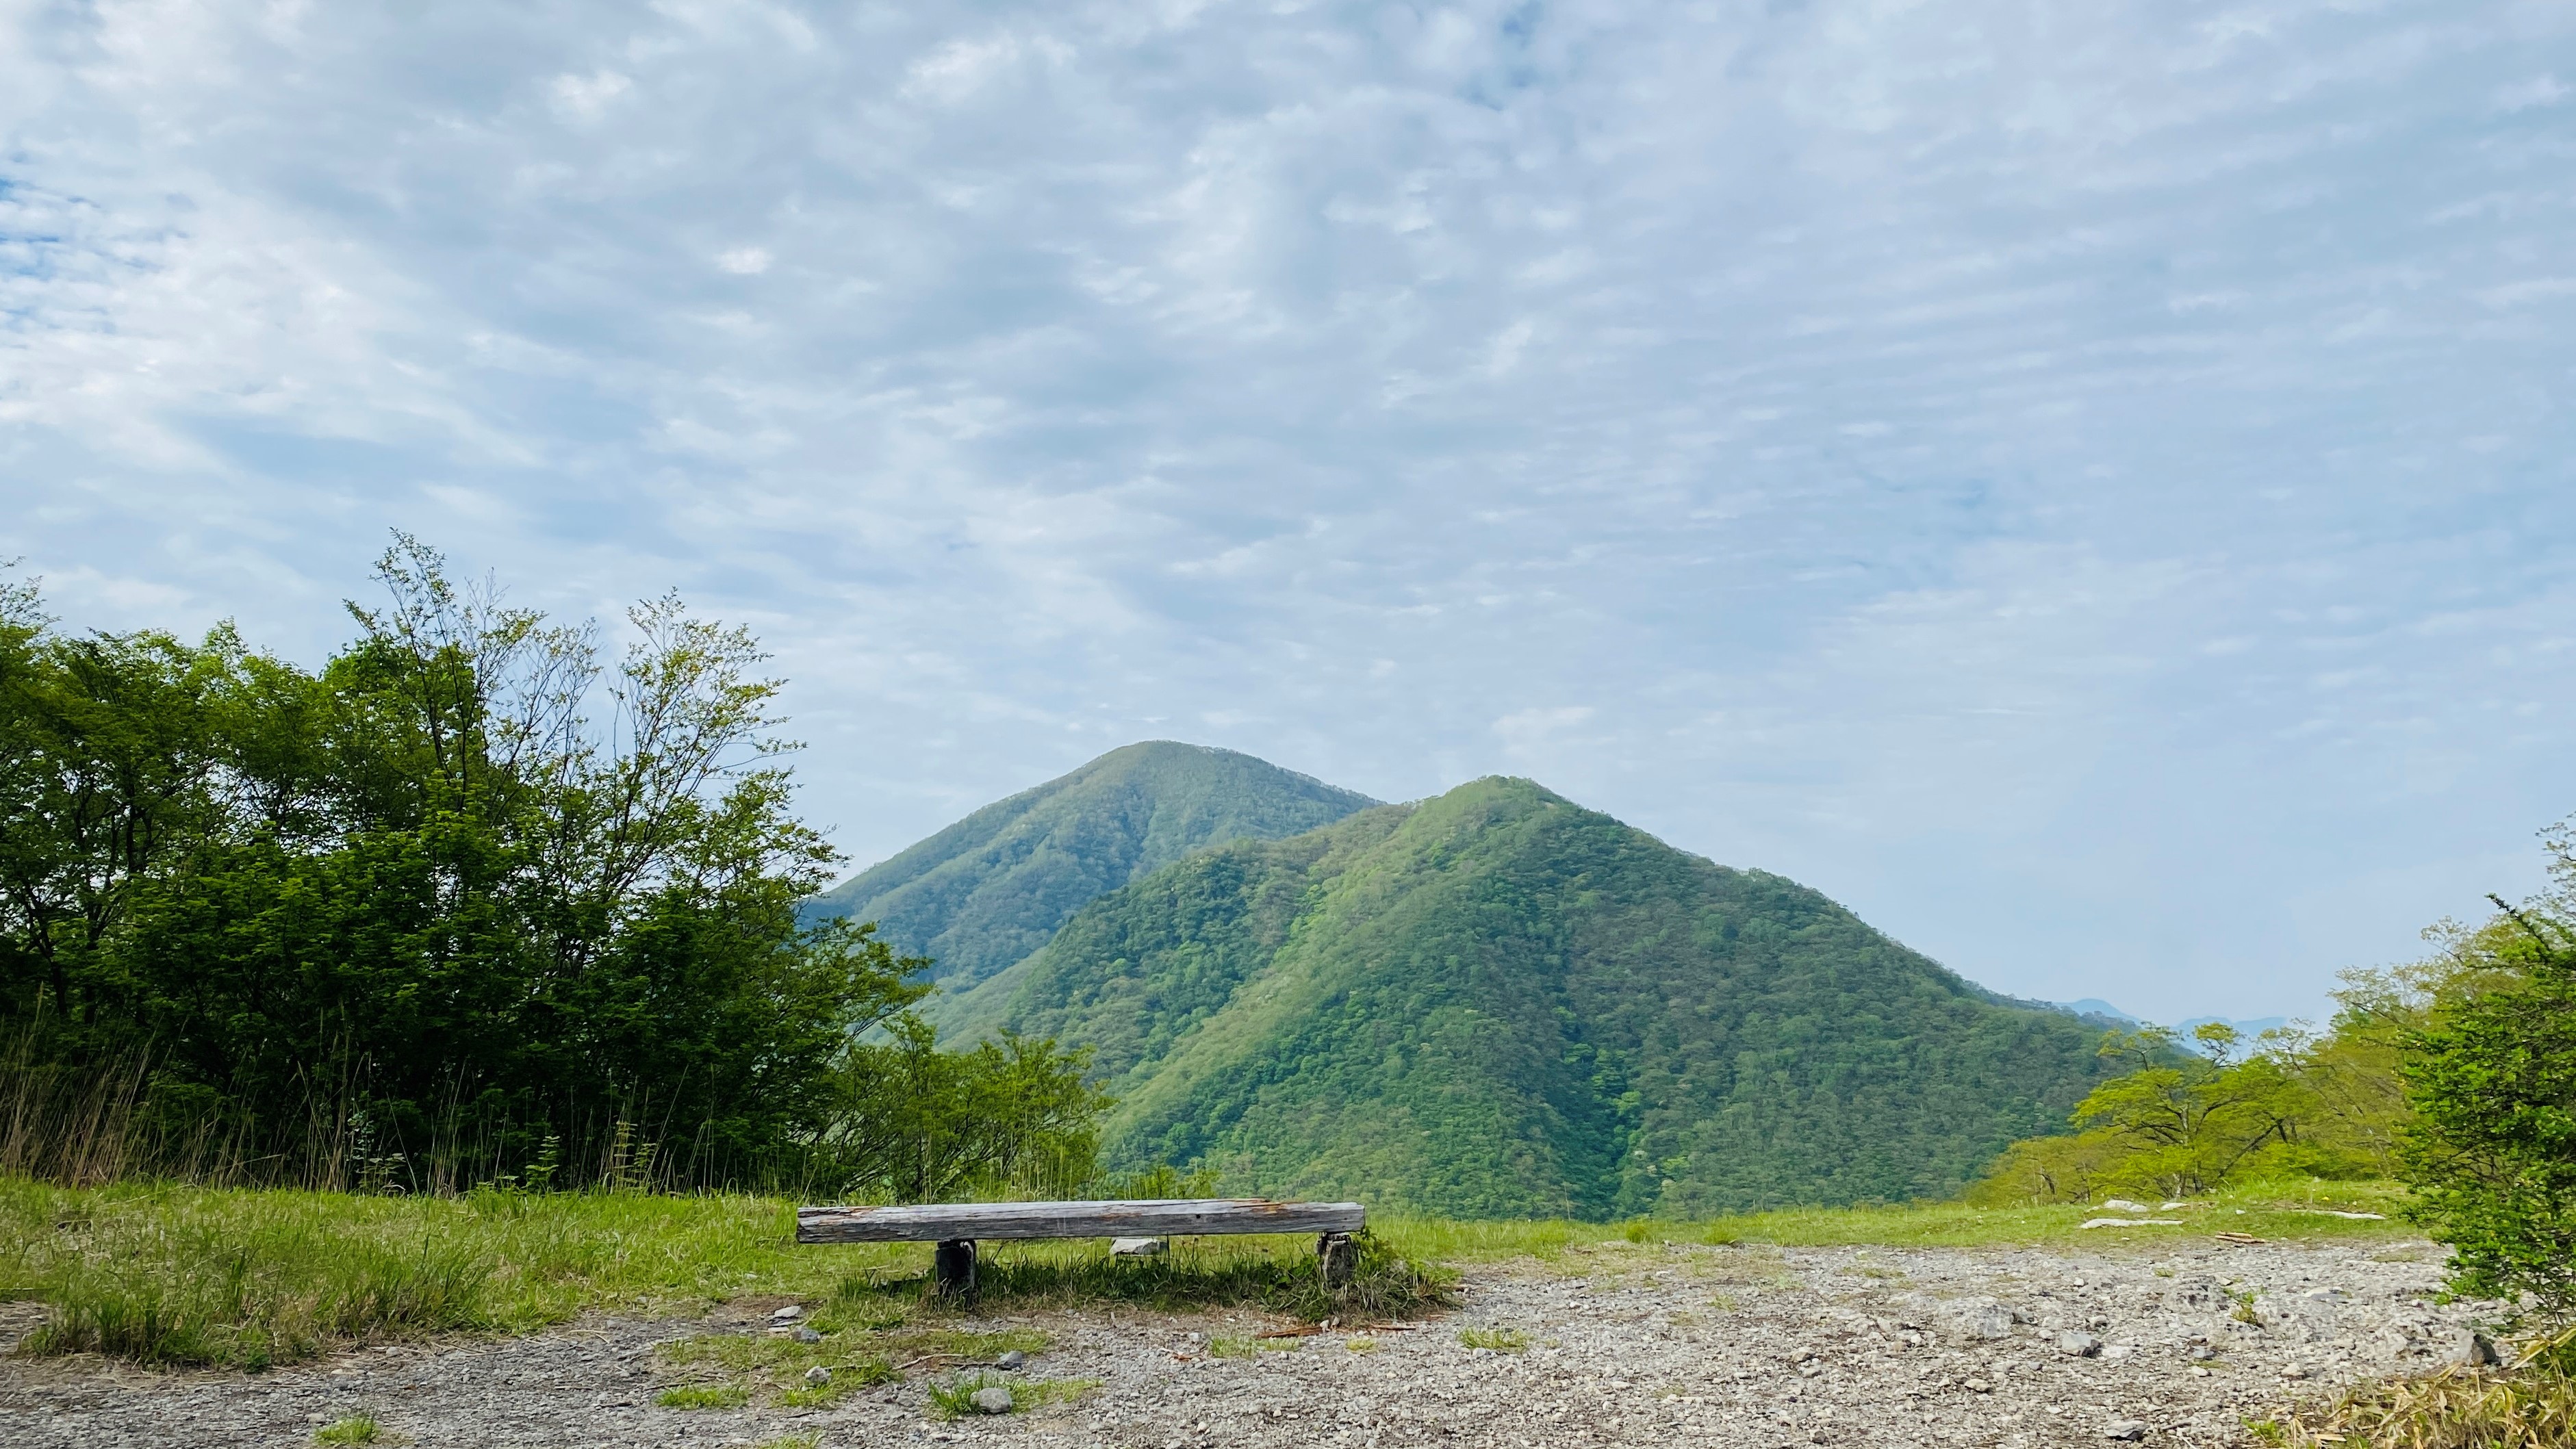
[{"x": 991, "y": 888}]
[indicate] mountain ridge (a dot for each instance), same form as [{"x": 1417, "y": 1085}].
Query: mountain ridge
[{"x": 1497, "y": 1003}]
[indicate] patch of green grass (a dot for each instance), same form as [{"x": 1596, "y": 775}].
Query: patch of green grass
[
  {"x": 1360, "y": 1343},
  {"x": 1232, "y": 1346},
  {"x": 355, "y": 1429},
  {"x": 181, "y": 1275},
  {"x": 704, "y": 1396},
  {"x": 2294, "y": 1210},
  {"x": 961, "y": 1342},
  {"x": 956, "y": 1398},
  {"x": 1500, "y": 1340}
]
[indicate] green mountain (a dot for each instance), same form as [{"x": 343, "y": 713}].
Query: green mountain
[
  {"x": 1496, "y": 1003},
  {"x": 992, "y": 888}
]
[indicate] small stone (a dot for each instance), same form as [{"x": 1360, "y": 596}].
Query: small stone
[
  {"x": 818, "y": 1376},
  {"x": 1980, "y": 1386},
  {"x": 2078, "y": 1345},
  {"x": 2200, "y": 1353},
  {"x": 807, "y": 1335},
  {"x": 2198, "y": 1372},
  {"x": 2130, "y": 1429},
  {"x": 788, "y": 1314},
  {"x": 1011, "y": 1359},
  {"x": 1137, "y": 1247},
  {"x": 2123, "y": 1205},
  {"x": 2469, "y": 1349},
  {"x": 992, "y": 1401},
  {"x": 2295, "y": 1371}
]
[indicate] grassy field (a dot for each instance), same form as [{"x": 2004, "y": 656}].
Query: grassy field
[{"x": 193, "y": 1275}]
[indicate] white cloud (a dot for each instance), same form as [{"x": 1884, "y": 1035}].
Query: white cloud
[
  {"x": 2540, "y": 90},
  {"x": 1943, "y": 447},
  {"x": 587, "y": 97}
]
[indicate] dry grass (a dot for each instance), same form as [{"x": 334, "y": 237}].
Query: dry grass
[
  {"x": 2531, "y": 1405},
  {"x": 2455, "y": 1409}
]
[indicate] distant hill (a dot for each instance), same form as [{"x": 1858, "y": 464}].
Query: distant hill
[
  {"x": 2248, "y": 1028},
  {"x": 993, "y": 887},
  {"x": 1496, "y": 1003}
]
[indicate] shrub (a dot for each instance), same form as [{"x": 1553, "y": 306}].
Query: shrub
[{"x": 2491, "y": 1153}]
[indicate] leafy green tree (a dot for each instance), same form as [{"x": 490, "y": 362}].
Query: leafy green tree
[
  {"x": 1009, "y": 1118},
  {"x": 469, "y": 896},
  {"x": 2491, "y": 1152}
]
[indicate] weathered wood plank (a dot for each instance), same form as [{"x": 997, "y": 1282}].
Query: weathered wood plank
[{"x": 1155, "y": 1218}]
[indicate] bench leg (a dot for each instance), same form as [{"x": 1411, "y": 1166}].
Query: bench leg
[
  {"x": 1338, "y": 1256},
  {"x": 952, "y": 1268}
]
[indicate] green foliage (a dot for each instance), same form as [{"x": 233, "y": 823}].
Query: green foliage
[
  {"x": 2491, "y": 1151},
  {"x": 470, "y": 903},
  {"x": 1498, "y": 1004},
  {"x": 1008, "y": 1119},
  {"x": 992, "y": 888},
  {"x": 2182, "y": 1123},
  {"x": 355, "y": 1429}
]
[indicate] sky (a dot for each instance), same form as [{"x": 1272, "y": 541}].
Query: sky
[{"x": 2088, "y": 486}]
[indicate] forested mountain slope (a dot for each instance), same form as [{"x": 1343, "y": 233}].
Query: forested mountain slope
[
  {"x": 1496, "y": 1003},
  {"x": 993, "y": 887}
]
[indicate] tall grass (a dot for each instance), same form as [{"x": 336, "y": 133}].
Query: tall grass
[{"x": 254, "y": 1277}]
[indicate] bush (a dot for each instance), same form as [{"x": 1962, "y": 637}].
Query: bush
[{"x": 2491, "y": 1152}]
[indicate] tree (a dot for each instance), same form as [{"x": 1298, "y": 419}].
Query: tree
[
  {"x": 467, "y": 893},
  {"x": 2491, "y": 1152}
]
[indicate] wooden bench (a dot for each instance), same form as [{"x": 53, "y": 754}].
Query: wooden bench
[{"x": 957, "y": 1227}]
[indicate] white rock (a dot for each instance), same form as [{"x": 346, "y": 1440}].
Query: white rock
[
  {"x": 1010, "y": 1359},
  {"x": 2125, "y": 1429},
  {"x": 2078, "y": 1345},
  {"x": 2123, "y": 1205},
  {"x": 818, "y": 1376},
  {"x": 1137, "y": 1247},
  {"x": 788, "y": 1314},
  {"x": 2131, "y": 1223},
  {"x": 992, "y": 1401}
]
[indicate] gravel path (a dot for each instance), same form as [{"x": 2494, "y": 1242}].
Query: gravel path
[{"x": 1625, "y": 1344}]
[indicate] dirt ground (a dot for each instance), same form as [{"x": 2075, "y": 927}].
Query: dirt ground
[{"x": 1618, "y": 1344}]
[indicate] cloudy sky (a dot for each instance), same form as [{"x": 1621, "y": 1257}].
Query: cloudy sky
[{"x": 2087, "y": 485}]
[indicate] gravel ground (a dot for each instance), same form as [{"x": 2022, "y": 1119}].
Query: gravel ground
[{"x": 1625, "y": 1344}]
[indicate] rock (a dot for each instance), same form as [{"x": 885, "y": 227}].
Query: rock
[
  {"x": 1011, "y": 1359},
  {"x": 2469, "y": 1349},
  {"x": 1980, "y": 1386},
  {"x": 2200, "y": 1353},
  {"x": 1137, "y": 1247},
  {"x": 2131, "y": 1429},
  {"x": 2295, "y": 1371},
  {"x": 992, "y": 1401},
  {"x": 2078, "y": 1345},
  {"x": 2123, "y": 1205},
  {"x": 807, "y": 1335},
  {"x": 2118, "y": 1350},
  {"x": 1988, "y": 1319},
  {"x": 818, "y": 1376},
  {"x": 2130, "y": 1223},
  {"x": 788, "y": 1314}
]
